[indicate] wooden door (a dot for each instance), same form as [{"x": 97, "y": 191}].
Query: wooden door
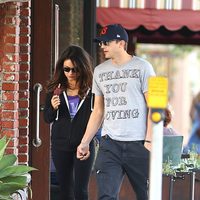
[
  {"x": 55, "y": 25},
  {"x": 52, "y": 31},
  {"x": 41, "y": 62}
]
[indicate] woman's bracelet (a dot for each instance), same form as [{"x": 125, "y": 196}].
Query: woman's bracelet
[{"x": 148, "y": 141}]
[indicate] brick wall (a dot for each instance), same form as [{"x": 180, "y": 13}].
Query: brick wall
[{"x": 15, "y": 76}]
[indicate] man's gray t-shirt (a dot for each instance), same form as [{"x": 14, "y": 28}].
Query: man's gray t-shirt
[{"x": 123, "y": 88}]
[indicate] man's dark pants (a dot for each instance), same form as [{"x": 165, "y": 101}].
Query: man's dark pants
[{"x": 117, "y": 158}]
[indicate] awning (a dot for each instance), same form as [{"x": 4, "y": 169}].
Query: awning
[
  {"x": 151, "y": 19},
  {"x": 5, "y": 1}
]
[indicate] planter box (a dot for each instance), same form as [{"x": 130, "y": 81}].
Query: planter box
[
  {"x": 197, "y": 186},
  {"x": 185, "y": 186}
]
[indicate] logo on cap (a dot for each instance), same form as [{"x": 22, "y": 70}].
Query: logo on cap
[
  {"x": 104, "y": 30},
  {"x": 118, "y": 36}
]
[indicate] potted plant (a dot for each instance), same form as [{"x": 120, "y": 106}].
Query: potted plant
[{"x": 13, "y": 177}]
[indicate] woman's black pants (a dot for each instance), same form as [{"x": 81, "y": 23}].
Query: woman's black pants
[{"x": 73, "y": 174}]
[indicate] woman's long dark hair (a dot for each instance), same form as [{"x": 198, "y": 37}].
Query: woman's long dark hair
[
  {"x": 168, "y": 117},
  {"x": 82, "y": 61}
]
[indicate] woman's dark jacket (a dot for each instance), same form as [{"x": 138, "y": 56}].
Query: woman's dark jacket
[{"x": 66, "y": 134}]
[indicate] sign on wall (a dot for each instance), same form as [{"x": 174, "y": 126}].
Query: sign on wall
[{"x": 157, "y": 92}]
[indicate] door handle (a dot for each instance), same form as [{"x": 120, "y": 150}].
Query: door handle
[{"x": 37, "y": 141}]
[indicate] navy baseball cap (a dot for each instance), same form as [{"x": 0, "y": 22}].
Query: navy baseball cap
[{"x": 112, "y": 32}]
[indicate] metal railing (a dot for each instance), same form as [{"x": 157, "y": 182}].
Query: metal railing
[{"x": 154, "y": 4}]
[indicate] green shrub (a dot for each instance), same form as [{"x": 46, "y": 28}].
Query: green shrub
[
  {"x": 186, "y": 165},
  {"x": 12, "y": 177}
]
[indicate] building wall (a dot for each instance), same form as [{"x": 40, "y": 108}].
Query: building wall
[{"x": 15, "y": 76}]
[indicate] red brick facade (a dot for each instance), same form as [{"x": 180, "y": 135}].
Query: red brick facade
[{"x": 15, "y": 76}]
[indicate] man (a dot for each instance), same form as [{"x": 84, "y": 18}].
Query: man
[{"x": 120, "y": 88}]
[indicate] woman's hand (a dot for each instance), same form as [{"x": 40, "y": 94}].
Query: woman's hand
[{"x": 55, "y": 101}]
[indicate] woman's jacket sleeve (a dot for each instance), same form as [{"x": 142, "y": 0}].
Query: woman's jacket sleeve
[{"x": 49, "y": 111}]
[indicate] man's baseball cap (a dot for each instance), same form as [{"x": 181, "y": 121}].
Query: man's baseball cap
[{"x": 112, "y": 32}]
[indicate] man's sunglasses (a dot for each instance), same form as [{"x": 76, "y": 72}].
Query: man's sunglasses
[
  {"x": 105, "y": 43},
  {"x": 68, "y": 69}
]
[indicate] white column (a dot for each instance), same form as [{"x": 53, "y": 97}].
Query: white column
[{"x": 155, "y": 189}]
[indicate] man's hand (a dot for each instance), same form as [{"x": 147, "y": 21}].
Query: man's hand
[
  {"x": 148, "y": 145},
  {"x": 83, "y": 152}
]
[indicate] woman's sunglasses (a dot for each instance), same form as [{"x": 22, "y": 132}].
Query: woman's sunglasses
[{"x": 68, "y": 69}]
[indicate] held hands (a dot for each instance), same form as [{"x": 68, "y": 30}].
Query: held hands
[{"x": 83, "y": 152}]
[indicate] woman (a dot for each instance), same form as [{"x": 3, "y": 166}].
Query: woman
[
  {"x": 168, "y": 130},
  {"x": 68, "y": 107}
]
